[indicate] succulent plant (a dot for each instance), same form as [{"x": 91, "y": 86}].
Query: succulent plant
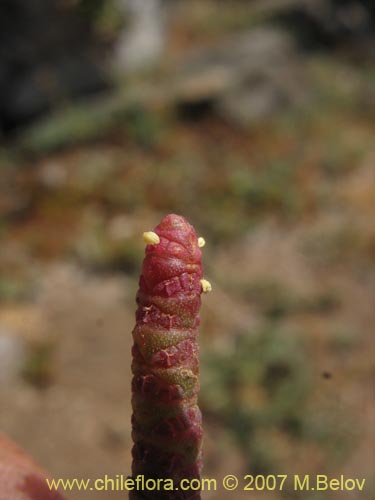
[{"x": 166, "y": 420}]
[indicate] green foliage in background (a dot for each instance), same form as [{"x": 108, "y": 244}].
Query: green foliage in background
[
  {"x": 263, "y": 384},
  {"x": 88, "y": 121},
  {"x": 105, "y": 16},
  {"x": 261, "y": 390}
]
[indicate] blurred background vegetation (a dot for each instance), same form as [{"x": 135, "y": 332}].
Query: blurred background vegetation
[{"x": 252, "y": 118}]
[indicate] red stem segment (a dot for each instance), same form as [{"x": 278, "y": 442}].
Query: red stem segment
[{"x": 166, "y": 420}]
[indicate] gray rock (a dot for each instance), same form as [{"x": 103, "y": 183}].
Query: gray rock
[
  {"x": 246, "y": 78},
  {"x": 143, "y": 41},
  {"x": 12, "y": 355}
]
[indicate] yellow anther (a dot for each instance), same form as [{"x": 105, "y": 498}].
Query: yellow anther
[
  {"x": 151, "y": 238},
  {"x": 206, "y": 286},
  {"x": 201, "y": 242}
]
